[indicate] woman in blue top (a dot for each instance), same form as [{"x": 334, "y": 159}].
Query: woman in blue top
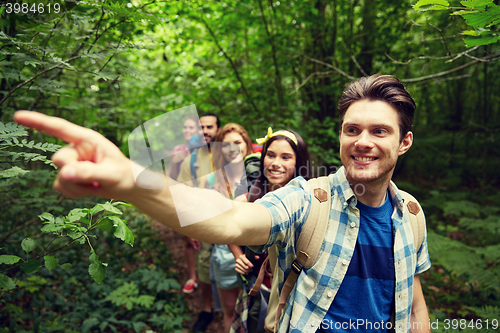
[{"x": 231, "y": 146}]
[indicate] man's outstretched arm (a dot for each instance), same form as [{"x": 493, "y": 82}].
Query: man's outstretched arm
[{"x": 91, "y": 164}]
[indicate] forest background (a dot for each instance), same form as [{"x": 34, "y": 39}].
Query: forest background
[{"x": 112, "y": 65}]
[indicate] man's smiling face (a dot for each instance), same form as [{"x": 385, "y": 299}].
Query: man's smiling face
[
  {"x": 370, "y": 141},
  {"x": 209, "y": 128}
]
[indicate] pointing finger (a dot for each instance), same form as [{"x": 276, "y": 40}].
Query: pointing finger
[{"x": 54, "y": 126}]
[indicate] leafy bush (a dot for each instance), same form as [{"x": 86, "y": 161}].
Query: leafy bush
[
  {"x": 136, "y": 294},
  {"x": 464, "y": 282},
  {"x": 45, "y": 262}
]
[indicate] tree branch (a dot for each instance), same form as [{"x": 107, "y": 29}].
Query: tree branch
[
  {"x": 465, "y": 53},
  {"x": 43, "y": 254},
  {"x": 277, "y": 75},
  {"x": 358, "y": 65},
  {"x": 114, "y": 53},
  {"x": 443, "y": 40},
  {"x": 440, "y": 74},
  {"x": 308, "y": 78},
  {"x": 336, "y": 69},
  {"x": 236, "y": 73},
  {"x": 416, "y": 58},
  {"x": 22, "y": 84}
]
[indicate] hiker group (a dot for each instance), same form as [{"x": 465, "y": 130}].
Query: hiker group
[{"x": 294, "y": 254}]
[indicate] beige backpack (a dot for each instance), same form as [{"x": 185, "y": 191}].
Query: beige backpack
[{"x": 309, "y": 244}]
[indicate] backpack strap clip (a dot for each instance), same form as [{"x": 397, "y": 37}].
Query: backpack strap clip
[{"x": 297, "y": 267}]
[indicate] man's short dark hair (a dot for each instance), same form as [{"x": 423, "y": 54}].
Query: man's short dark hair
[
  {"x": 212, "y": 115},
  {"x": 386, "y": 88}
]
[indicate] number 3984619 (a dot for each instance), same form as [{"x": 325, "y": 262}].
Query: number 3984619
[{"x": 32, "y": 8}]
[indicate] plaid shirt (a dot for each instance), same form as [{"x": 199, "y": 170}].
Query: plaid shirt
[{"x": 316, "y": 287}]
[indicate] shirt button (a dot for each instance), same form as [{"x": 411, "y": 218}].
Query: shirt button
[
  {"x": 353, "y": 224},
  {"x": 312, "y": 324},
  {"x": 329, "y": 295},
  {"x": 344, "y": 262}
]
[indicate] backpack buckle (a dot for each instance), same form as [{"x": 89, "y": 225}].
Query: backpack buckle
[{"x": 297, "y": 267}]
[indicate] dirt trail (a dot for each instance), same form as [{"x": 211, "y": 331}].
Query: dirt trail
[{"x": 175, "y": 245}]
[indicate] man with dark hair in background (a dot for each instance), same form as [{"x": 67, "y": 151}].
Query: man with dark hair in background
[{"x": 194, "y": 171}]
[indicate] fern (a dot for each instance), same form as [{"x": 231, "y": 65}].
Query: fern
[
  {"x": 490, "y": 224},
  {"x": 12, "y": 172},
  {"x": 9, "y": 134},
  {"x": 462, "y": 207},
  {"x": 11, "y": 130},
  {"x": 479, "y": 266},
  {"x": 487, "y": 312},
  {"x": 127, "y": 295},
  {"x": 41, "y": 146}
]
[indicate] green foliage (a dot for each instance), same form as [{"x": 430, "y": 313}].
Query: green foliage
[
  {"x": 478, "y": 14},
  {"x": 463, "y": 241},
  {"x": 6, "y": 283},
  {"x": 431, "y": 5},
  {"x": 136, "y": 296},
  {"x": 110, "y": 67},
  {"x": 70, "y": 227},
  {"x": 9, "y": 134},
  {"x": 128, "y": 295}
]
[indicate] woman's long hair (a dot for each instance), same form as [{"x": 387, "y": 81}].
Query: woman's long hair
[
  {"x": 218, "y": 157},
  {"x": 260, "y": 187}
]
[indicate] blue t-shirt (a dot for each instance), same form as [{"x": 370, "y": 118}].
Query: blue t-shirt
[{"x": 365, "y": 299}]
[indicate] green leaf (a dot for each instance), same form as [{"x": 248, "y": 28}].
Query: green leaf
[
  {"x": 470, "y": 33},
  {"x": 484, "y": 18},
  {"x": 10, "y": 130},
  {"x": 145, "y": 300},
  {"x": 105, "y": 224},
  {"x": 66, "y": 266},
  {"x": 9, "y": 259},
  {"x": 31, "y": 267},
  {"x": 110, "y": 208},
  {"x": 28, "y": 245},
  {"x": 462, "y": 12},
  {"x": 89, "y": 323},
  {"x": 96, "y": 209},
  {"x": 139, "y": 326},
  {"x": 116, "y": 203},
  {"x": 470, "y": 42},
  {"x": 13, "y": 172},
  {"x": 49, "y": 227},
  {"x": 6, "y": 283},
  {"x": 434, "y": 4},
  {"x": 46, "y": 216},
  {"x": 122, "y": 231},
  {"x": 77, "y": 213},
  {"x": 476, "y": 3},
  {"x": 96, "y": 269},
  {"x": 51, "y": 262}
]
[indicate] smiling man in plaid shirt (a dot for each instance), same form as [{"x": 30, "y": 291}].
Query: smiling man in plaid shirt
[{"x": 368, "y": 266}]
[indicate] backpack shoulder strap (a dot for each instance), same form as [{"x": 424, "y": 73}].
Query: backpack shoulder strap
[
  {"x": 194, "y": 166},
  {"x": 312, "y": 234},
  {"x": 414, "y": 211},
  {"x": 314, "y": 229},
  {"x": 310, "y": 238}
]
